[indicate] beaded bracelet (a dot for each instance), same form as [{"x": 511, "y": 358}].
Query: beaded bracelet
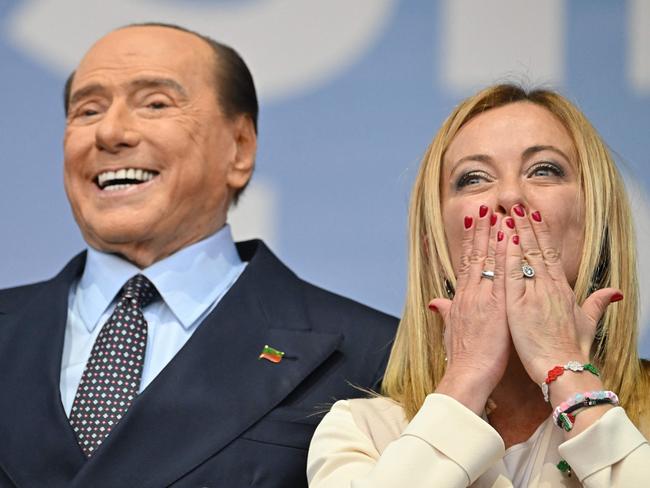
[
  {"x": 558, "y": 371},
  {"x": 564, "y": 416}
]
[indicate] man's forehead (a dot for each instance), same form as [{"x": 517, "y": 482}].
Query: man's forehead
[{"x": 148, "y": 47}]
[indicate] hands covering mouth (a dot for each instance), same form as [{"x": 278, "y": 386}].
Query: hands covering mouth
[{"x": 123, "y": 178}]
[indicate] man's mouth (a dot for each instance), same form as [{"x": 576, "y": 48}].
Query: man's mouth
[{"x": 123, "y": 178}]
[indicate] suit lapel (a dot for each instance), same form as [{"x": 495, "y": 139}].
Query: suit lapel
[
  {"x": 38, "y": 445},
  {"x": 216, "y": 387}
]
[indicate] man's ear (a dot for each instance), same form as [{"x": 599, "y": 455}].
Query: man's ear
[{"x": 241, "y": 168}]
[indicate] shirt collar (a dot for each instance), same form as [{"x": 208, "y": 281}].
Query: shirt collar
[{"x": 188, "y": 281}]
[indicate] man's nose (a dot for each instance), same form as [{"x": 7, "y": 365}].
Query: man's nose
[{"x": 116, "y": 130}]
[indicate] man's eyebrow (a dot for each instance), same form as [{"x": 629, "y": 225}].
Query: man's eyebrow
[
  {"x": 159, "y": 82},
  {"x": 86, "y": 91},
  {"x": 137, "y": 84},
  {"x": 535, "y": 149}
]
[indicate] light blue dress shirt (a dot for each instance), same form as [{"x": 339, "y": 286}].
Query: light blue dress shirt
[{"x": 190, "y": 282}]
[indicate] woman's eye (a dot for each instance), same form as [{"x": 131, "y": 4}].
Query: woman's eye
[
  {"x": 546, "y": 169},
  {"x": 472, "y": 178}
]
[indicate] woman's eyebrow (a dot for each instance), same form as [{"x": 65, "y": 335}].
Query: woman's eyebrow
[
  {"x": 535, "y": 149},
  {"x": 483, "y": 158}
]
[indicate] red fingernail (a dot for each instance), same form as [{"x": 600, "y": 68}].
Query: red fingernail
[
  {"x": 493, "y": 220},
  {"x": 433, "y": 308},
  {"x": 519, "y": 210},
  {"x": 482, "y": 211},
  {"x": 537, "y": 217},
  {"x": 499, "y": 236},
  {"x": 510, "y": 222},
  {"x": 468, "y": 222},
  {"x": 616, "y": 297},
  {"x": 515, "y": 239}
]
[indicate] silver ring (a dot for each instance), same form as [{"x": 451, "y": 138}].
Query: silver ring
[
  {"x": 487, "y": 274},
  {"x": 528, "y": 271}
]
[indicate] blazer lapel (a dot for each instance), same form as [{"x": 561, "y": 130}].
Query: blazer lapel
[
  {"x": 216, "y": 387},
  {"x": 38, "y": 445}
]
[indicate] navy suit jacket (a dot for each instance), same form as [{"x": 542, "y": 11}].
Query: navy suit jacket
[{"x": 216, "y": 415}]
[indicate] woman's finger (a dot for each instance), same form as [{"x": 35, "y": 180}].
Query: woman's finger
[
  {"x": 530, "y": 248},
  {"x": 466, "y": 244},
  {"x": 548, "y": 247},
  {"x": 490, "y": 259},
  {"x": 514, "y": 277},
  {"x": 480, "y": 247},
  {"x": 595, "y": 305},
  {"x": 500, "y": 245}
]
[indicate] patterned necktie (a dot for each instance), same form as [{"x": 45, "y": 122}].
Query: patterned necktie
[{"x": 112, "y": 376}]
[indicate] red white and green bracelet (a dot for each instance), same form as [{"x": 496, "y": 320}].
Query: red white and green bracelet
[{"x": 558, "y": 371}]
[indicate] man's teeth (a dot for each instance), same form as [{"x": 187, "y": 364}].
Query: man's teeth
[{"x": 123, "y": 178}]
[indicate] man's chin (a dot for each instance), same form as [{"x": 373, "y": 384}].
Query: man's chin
[{"x": 116, "y": 238}]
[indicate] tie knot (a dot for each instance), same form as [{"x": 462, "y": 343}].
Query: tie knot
[{"x": 140, "y": 289}]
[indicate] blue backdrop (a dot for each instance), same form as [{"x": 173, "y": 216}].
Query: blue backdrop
[{"x": 351, "y": 94}]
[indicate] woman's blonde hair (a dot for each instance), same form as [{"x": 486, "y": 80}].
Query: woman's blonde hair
[{"x": 416, "y": 362}]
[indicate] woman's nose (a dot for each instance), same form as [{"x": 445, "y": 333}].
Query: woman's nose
[{"x": 509, "y": 195}]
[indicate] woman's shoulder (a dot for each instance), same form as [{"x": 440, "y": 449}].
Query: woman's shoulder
[
  {"x": 380, "y": 418},
  {"x": 644, "y": 412}
]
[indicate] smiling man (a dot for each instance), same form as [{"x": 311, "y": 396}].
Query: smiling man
[{"x": 166, "y": 354}]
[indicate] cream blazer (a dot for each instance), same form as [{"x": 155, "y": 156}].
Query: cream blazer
[{"x": 368, "y": 443}]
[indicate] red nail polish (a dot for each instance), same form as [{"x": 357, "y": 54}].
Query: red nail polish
[
  {"x": 482, "y": 211},
  {"x": 537, "y": 217},
  {"x": 433, "y": 308},
  {"x": 519, "y": 210},
  {"x": 616, "y": 297},
  {"x": 493, "y": 219},
  {"x": 510, "y": 222},
  {"x": 499, "y": 236},
  {"x": 515, "y": 239},
  {"x": 468, "y": 222}
]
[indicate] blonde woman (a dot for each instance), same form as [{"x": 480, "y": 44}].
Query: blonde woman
[{"x": 516, "y": 361}]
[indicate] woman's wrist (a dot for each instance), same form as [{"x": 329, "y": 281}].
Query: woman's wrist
[{"x": 468, "y": 387}]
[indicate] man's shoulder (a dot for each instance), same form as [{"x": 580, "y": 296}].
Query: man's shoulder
[
  {"x": 16, "y": 297},
  {"x": 321, "y": 301},
  {"x": 326, "y": 309}
]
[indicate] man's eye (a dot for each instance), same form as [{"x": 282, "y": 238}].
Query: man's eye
[
  {"x": 86, "y": 112},
  {"x": 157, "y": 105}
]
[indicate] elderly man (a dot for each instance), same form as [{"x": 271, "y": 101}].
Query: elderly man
[{"x": 166, "y": 354}]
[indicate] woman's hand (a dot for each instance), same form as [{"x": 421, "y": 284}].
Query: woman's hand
[
  {"x": 547, "y": 325},
  {"x": 477, "y": 339}
]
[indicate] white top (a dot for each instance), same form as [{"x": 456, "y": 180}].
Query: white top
[
  {"x": 368, "y": 443},
  {"x": 518, "y": 459}
]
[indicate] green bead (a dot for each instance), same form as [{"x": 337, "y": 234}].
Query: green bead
[
  {"x": 592, "y": 369},
  {"x": 566, "y": 423},
  {"x": 564, "y": 467}
]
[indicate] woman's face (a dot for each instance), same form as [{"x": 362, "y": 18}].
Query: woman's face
[{"x": 515, "y": 154}]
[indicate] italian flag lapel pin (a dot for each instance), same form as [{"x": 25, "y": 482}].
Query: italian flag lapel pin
[{"x": 271, "y": 354}]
